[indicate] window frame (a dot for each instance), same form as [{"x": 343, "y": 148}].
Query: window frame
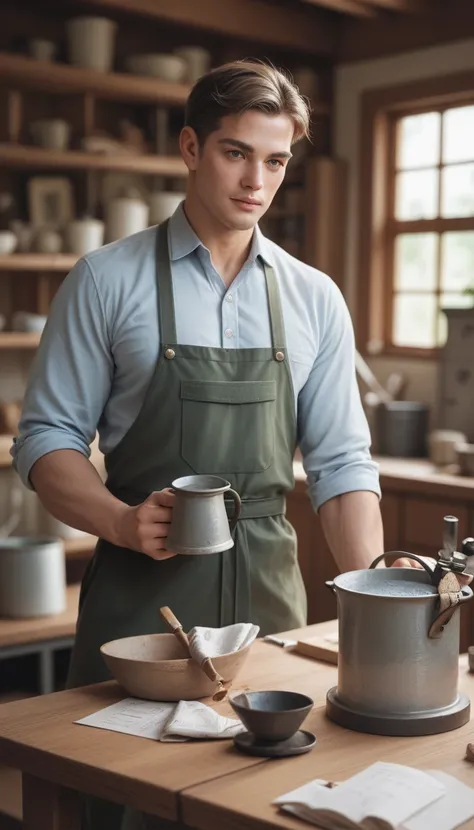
[{"x": 379, "y": 110}]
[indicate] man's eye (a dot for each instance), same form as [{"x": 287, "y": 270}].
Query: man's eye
[
  {"x": 275, "y": 163},
  {"x": 235, "y": 154}
]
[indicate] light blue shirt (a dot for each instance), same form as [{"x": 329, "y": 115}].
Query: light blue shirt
[{"x": 100, "y": 345}]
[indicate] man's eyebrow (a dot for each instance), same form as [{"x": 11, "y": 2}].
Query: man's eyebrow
[{"x": 241, "y": 145}]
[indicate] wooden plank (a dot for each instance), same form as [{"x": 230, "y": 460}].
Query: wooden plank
[
  {"x": 19, "y": 340},
  {"x": 319, "y": 647},
  {"x": 15, "y": 632},
  {"x": 244, "y": 800},
  {"x": 350, "y": 7},
  {"x": 292, "y": 26},
  {"x": 37, "y": 262},
  {"x": 20, "y": 156},
  {"x": 62, "y": 79},
  {"x": 400, "y": 5}
]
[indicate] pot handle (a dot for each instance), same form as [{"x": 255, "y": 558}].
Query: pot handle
[
  {"x": 237, "y": 508},
  {"x": 438, "y": 624},
  {"x": 330, "y": 584},
  {"x": 405, "y": 555}
]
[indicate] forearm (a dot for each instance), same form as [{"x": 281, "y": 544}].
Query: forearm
[
  {"x": 352, "y": 525},
  {"x": 70, "y": 488}
]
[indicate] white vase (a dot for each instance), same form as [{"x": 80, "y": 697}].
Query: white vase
[
  {"x": 163, "y": 205},
  {"x": 125, "y": 216},
  {"x": 85, "y": 235},
  {"x": 91, "y": 42}
]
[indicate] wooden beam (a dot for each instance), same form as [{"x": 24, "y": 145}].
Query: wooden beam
[
  {"x": 351, "y": 7},
  {"x": 292, "y": 27},
  {"x": 384, "y": 36},
  {"x": 400, "y": 5}
]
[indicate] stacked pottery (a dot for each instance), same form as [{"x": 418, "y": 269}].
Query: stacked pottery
[{"x": 91, "y": 42}]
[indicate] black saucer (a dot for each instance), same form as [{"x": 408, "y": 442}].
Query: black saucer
[{"x": 299, "y": 743}]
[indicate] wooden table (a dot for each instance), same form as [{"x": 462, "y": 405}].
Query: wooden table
[{"x": 210, "y": 784}]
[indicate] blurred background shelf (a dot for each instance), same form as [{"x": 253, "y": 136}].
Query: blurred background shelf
[
  {"x": 114, "y": 86},
  {"x": 37, "y": 262},
  {"x": 17, "y": 155},
  {"x": 19, "y": 340}
]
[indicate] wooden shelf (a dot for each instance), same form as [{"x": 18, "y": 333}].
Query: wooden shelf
[
  {"x": 63, "y": 79},
  {"x": 37, "y": 262},
  {"x": 75, "y": 548},
  {"x": 19, "y": 340},
  {"x": 17, "y": 155}
]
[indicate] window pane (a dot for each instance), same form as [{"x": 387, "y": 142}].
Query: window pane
[
  {"x": 457, "y": 191},
  {"x": 418, "y": 140},
  {"x": 417, "y": 194},
  {"x": 458, "y": 134},
  {"x": 457, "y": 260},
  {"x": 450, "y": 301},
  {"x": 414, "y": 320},
  {"x": 415, "y": 262}
]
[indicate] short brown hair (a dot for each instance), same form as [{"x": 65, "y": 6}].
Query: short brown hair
[{"x": 236, "y": 87}]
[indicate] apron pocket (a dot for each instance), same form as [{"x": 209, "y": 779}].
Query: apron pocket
[{"x": 228, "y": 427}]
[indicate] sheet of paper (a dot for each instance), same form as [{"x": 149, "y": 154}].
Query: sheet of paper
[
  {"x": 391, "y": 792},
  {"x": 456, "y": 806},
  {"x": 145, "y": 718}
]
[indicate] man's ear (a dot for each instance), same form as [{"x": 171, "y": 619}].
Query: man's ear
[{"x": 189, "y": 147}]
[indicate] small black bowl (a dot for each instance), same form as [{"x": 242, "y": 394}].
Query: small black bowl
[{"x": 272, "y": 716}]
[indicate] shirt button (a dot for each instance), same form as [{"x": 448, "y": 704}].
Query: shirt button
[
  {"x": 229, "y": 333},
  {"x": 229, "y": 298}
]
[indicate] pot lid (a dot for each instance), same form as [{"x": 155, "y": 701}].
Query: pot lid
[{"x": 394, "y": 583}]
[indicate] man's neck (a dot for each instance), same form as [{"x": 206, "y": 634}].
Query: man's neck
[{"x": 229, "y": 249}]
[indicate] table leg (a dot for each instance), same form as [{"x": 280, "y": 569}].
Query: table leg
[{"x": 48, "y": 806}]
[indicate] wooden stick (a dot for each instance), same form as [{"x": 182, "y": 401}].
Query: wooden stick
[{"x": 174, "y": 624}]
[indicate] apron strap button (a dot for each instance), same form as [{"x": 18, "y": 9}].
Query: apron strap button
[
  {"x": 279, "y": 356},
  {"x": 170, "y": 353}
]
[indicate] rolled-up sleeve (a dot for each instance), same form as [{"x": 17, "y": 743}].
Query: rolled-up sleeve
[
  {"x": 334, "y": 436},
  {"x": 70, "y": 378}
]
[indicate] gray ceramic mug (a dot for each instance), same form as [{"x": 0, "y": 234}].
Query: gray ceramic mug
[{"x": 199, "y": 523}]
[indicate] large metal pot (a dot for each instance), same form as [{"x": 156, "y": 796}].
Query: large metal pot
[
  {"x": 32, "y": 576},
  {"x": 398, "y": 656}
]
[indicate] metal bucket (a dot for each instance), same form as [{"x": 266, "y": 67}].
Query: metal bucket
[{"x": 32, "y": 576}]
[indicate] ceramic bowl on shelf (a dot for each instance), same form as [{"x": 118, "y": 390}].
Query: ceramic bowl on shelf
[
  {"x": 155, "y": 667},
  {"x": 8, "y": 242},
  {"x": 166, "y": 67}
]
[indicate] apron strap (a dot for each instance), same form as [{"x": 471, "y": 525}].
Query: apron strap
[
  {"x": 276, "y": 314},
  {"x": 165, "y": 287}
]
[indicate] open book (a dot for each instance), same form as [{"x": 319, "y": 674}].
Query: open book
[{"x": 384, "y": 797}]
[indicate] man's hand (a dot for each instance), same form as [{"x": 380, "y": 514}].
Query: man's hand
[{"x": 145, "y": 527}]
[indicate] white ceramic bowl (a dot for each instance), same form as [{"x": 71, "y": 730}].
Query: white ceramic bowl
[
  {"x": 154, "y": 667},
  {"x": 8, "y": 242},
  {"x": 166, "y": 67}
]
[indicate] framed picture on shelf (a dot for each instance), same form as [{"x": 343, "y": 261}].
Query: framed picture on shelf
[{"x": 50, "y": 201}]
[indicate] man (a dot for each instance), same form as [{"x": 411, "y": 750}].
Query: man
[{"x": 202, "y": 348}]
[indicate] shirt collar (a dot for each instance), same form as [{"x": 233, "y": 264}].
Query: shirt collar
[{"x": 183, "y": 241}]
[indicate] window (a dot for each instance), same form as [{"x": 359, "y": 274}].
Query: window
[
  {"x": 417, "y": 222},
  {"x": 431, "y": 227}
]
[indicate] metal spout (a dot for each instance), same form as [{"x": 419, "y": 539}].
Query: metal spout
[{"x": 450, "y": 537}]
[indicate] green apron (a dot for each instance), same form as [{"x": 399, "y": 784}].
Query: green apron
[{"x": 228, "y": 412}]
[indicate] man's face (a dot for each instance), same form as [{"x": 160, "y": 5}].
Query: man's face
[{"x": 241, "y": 166}]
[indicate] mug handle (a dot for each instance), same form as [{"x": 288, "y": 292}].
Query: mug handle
[{"x": 237, "y": 508}]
